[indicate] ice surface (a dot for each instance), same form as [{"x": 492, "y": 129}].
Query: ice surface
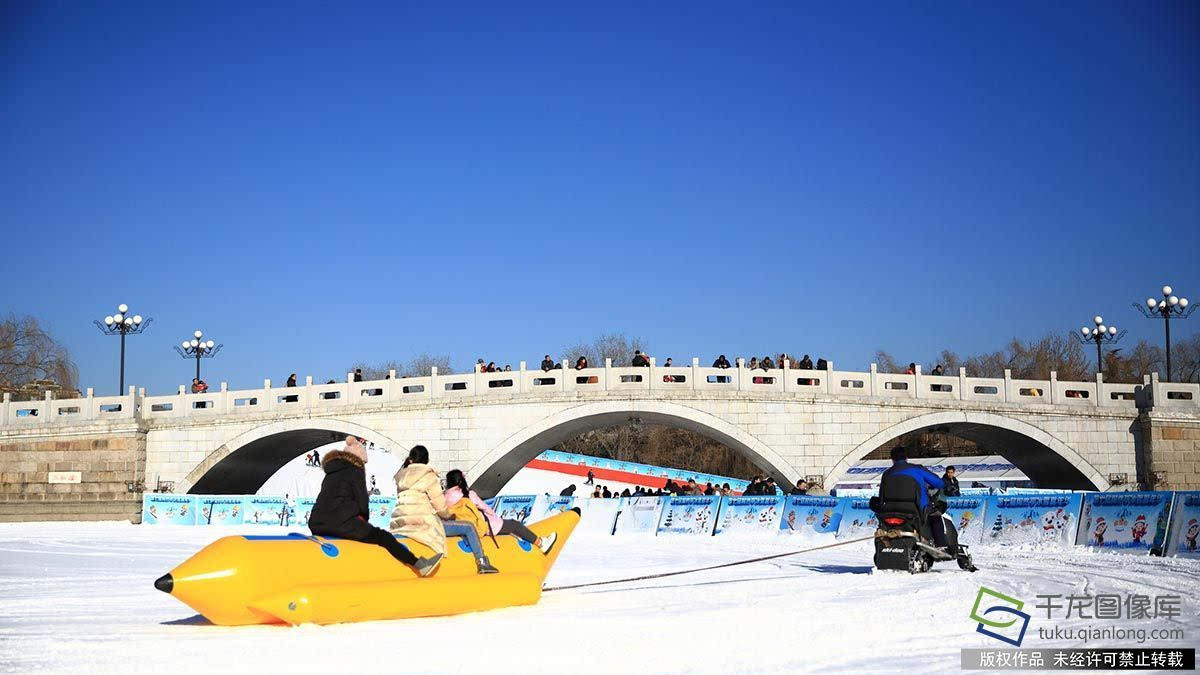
[{"x": 78, "y": 597}]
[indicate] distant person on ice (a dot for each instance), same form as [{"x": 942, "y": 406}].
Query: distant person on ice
[
  {"x": 343, "y": 508},
  {"x": 951, "y": 488},
  {"x": 456, "y": 488}
]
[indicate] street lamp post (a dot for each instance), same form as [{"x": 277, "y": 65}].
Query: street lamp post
[
  {"x": 198, "y": 349},
  {"x": 1101, "y": 334},
  {"x": 1169, "y": 307},
  {"x": 122, "y": 324}
]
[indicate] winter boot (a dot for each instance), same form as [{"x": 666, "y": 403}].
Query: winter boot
[
  {"x": 484, "y": 566},
  {"x": 548, "y": 542},
  {"x": 426, "y": 566}
]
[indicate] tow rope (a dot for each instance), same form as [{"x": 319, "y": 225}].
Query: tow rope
[{"x": 710, "y": 567}]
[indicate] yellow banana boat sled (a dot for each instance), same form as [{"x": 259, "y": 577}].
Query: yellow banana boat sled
[{"x": 295, "y": 578}]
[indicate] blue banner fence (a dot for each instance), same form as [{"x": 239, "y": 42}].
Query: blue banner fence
[{"x": 1166, "y": 523}]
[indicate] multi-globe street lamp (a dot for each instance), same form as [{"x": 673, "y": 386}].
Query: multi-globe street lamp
[
  {"x": 198, "y": 349},
  {"x": 1170, "y": 307},
  {"x": 122, "y": 324},
  {"x": 1101, "y": 335}
]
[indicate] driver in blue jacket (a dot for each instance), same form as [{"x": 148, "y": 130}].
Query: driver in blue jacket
[{"x": 928, "y": 480}]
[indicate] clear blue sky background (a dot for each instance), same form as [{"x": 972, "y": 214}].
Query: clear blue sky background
[{"x": 315, "y": 185}]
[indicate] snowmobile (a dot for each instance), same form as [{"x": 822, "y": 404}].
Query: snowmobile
[{"x": 904, "y": 540}]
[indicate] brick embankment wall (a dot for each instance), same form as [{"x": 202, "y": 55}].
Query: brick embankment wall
[
  {"x": 1175, "y": 451},
  {"x": 105, "y": 461}
]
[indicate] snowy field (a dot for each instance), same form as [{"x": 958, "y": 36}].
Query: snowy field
[{"x": 77, "y": 597}]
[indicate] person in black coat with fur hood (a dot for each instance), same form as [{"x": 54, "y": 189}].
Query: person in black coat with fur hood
[{"x": 343, "y": 507}]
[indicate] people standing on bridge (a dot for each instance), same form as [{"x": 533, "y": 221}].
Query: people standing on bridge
[
  {"x": 581, "y": 363},
  {"x": 458, "y": 491},
  {"x": 822, "y": 364},
  {"x": 911, "y": 370},
  {"x": 950, "y": 489},
  {"x": 767, "y": 363},
  {"x": 721, "y": 362},
  {"x": 199, "y": 386},
  {"x": 358, "y": 375},
  {"x": 753, "y": 365},
  {"x": 547, "y": 364},
  {"x": 422, "y": 515},
  {"x": 806, "y": 363},
  {"x": 343, "y": 507},
  {"x": 291, "y": 382},
  {"x": 640, "y": 360}
]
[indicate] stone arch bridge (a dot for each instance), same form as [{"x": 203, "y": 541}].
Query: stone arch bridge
[{"x": 795, "y": 424}]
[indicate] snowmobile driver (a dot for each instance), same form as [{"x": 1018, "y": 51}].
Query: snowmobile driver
[{"x": 927, "y": 481}]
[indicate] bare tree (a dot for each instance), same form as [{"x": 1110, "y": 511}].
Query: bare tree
[
  {"x": 418, "y": 366},
  {"x": 615, "y": 346},
  {"x": 886, "y": 363},
  {"x": 28, "y": 353},
  {"x": 422, "y": 364}
]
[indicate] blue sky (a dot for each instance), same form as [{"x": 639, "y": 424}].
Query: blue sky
[{"x": 318, "y": 184}]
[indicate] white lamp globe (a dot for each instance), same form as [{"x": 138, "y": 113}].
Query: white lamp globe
[
  {"x": 185, "y": 344},
  {"x": 197, "y": 334},
  {"x": 1183, "y": 302},
  {"x": 210, "y": 344},
  {"x": 1166, "y": 291},
  {"x": 1172, "y": 301},
  {"x": 1151, "y": 303},
  {"x": 137, "y": 318},
  {"x": 1098, "y": 319},
  {"x": 195, "y": 343},
  {"x": 122, "y": 308},
  {"x": 1101, "y": 328},
  {"x": 118, "y": 318},
  {"x": 108, "y": 321},
  {"x": 1085, "y": 330},
  {"x": 1112, "y": 330},
  {"x": 128, "y": 321}
]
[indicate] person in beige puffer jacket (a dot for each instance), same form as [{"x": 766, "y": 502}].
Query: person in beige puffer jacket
[{"x": 421, "y": 513}]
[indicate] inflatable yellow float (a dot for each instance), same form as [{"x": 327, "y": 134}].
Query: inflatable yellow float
[{"x": 295, "y": 578}]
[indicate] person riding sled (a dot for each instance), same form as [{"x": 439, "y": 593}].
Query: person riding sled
[
  {"x": 422, "y": 515},
  {"x": 342, "y": 508},
  {"x": 476, "y": 511}
]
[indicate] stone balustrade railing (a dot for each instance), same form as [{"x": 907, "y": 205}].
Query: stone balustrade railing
[{"x": 523, "y": 382}]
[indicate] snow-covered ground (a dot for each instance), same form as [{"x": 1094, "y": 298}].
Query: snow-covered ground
[{"x": 78, "y": 597}]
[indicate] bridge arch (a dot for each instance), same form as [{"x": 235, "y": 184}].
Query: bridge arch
[
  {"x": 501, "y": 463},
  {"x": 1037, "y": 453},
  {"x": 243, "y": 463}
]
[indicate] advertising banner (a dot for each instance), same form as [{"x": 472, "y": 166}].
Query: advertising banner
[
  {"x": 1185, "y": 526},
  {"x": 381, "y": 510},
  {"x": 515, "y": 507},
  {"x": 638, "y": 514},
  {"x": 804, "y": 513},
  {"x": 749, "y": 514},
  {"x": 1031, "y": 519},
  {"x": 688, "y": 515},
  {"x": 302, "y": 510},
  {"x": 556, "y": 505},
  {"x": 858, "y": 520},
  {"x": 1132, "y": 522},
  {"x": 219, "y": 510},
  {"x": 262, "y": 510},
  {"x": 165, "y": 509},
  {"x": 968, "y": 514}
]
